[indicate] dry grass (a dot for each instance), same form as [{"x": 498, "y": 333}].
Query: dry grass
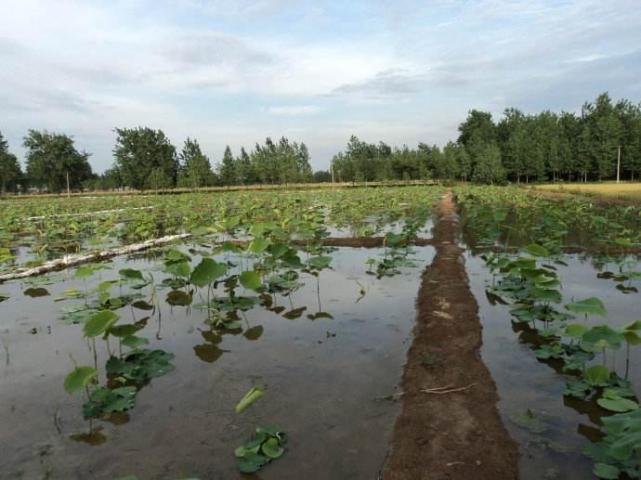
[{"x": 626, "y": 191}]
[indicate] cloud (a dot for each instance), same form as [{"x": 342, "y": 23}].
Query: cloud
[
  {"x": 240, "y": 8},
  {"x": 293, "y": 110},
  {"x": 41, "y": 99},
  {"x": 212, "y": 48},
  {"x": 392, "y": 82}
]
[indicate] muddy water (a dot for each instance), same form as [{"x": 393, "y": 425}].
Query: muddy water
[
  {"x": 524, "y": 383},
  {"x": 324, "y": 381}
]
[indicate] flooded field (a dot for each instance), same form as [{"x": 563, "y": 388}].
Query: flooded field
[
  {"x": 560, "y": 330},
  {"x": 551, "y": 428},
  {"x": 352, "y": 362},
  {"x": 325, "y": 381}
]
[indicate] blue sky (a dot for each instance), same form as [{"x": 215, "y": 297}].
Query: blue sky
[{"x": 234, "y": 72}]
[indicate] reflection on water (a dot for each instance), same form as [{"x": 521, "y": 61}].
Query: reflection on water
[
  {"x": 324, "y": 354},
  {"x": 552, "y": 448}
]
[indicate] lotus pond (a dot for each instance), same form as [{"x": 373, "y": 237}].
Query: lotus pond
[
  {"x": 253, "y": 346},
  {"x": 247, "y": 342},
  {"x": 557, "y": 283}
]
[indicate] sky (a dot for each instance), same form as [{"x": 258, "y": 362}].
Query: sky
[{"x": 234, "y": 72}]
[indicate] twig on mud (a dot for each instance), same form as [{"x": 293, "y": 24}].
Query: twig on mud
[
  {"x": 436, "y": 390},
  {"x": 56, "y": 421},
  {"x": 446, "y": 389}
]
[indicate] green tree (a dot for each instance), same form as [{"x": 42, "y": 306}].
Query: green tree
[
  {"x": 548, "y": 127},
  {"x": 512, "y": 137},
  {"x": 141, "y": 151},
  {"x": 304, "y": 166},
  {"x": 464, "y": 163},
  {"x": 584, "y": 162},
  {"x": 478, "y": 127},
  {"x": 569, "y": 131},
  {"x": 286, "y": 160},
  {"x": 605, "y": 134},
  {"x": 488, "y": 168},
  {"x": 322, "y": 176},
  {"x": 535, "y": 148},
  {"x": 227, "y": 168},
  {"x": 245, "y": 172},
  {"x": 52, "y": 158},
  {"x": 10, "y": 172},
  {"x": 343, "y": 168},
  {"x": 195, "y": 168},
  {"x": 158, "y": 180},
  {"x": 630, "y": 117},
  {"x": 111, "y": 179},
  {"x": 450, "y": 167}
]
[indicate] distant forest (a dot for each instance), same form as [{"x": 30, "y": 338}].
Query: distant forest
[{"x": 521, "y": 147}]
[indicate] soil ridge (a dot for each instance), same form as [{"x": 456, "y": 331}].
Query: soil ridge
[{"x": 449, "y": 426}]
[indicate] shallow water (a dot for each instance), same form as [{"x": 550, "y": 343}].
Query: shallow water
[
  {"x": 325, "y": 381},
  {"x": 379, "y": 231},
  {"x": 525, "y": 383}
]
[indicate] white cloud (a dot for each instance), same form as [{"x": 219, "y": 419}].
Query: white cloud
[{"x": 293, "y": 110}]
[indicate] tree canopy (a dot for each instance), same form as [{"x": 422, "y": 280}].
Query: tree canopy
[
  {"x": 195, "y": 168},
  {"x": 145, "y": 158},
  {"x": 52, "y": 158},
  {"x": 519, "y": 147},
  {"x": 10, "y": 171}
]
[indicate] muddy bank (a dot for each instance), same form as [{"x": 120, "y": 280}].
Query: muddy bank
[
  {"x": 594, "y": 197},
  {"x": 449, "y": 427}
]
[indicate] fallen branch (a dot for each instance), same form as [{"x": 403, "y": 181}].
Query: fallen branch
[
  {"x": 73, "y": 260},
  {"x": 84, "y": 214}
]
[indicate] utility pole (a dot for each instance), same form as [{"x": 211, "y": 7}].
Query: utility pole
[
  {"x": 68, "y": 189},
  {"x": 619, "y": 164}
]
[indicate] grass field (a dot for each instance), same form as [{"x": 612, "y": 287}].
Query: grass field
[{"x": 630, "y": 191}]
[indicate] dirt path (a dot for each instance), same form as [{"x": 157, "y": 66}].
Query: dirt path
[{"x": 449, "y": 427}]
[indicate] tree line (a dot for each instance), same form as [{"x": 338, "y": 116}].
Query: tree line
[
  {"x": 145, "y": 159},
  {"x": 519, "y": 148},
  {"x": 603, "y": 139}
]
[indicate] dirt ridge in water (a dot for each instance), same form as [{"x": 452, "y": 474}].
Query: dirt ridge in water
[{"x": 455, "y": 435}]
